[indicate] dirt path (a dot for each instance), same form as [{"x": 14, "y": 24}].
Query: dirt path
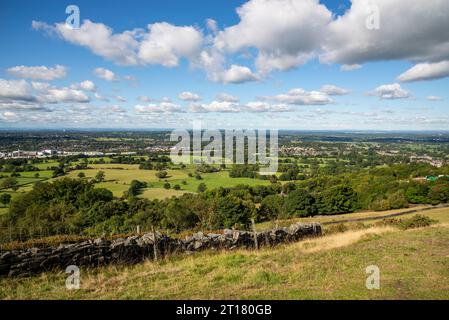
[{"x": 391, "y": 215}]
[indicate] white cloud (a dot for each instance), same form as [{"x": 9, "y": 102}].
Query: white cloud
[
  {"x": 236, "y": 74},
  {"x": 120, "y": 98},
  {"x": 262, "y": 106},
  {"x": 212, "y": 25},
  {"x": 144, "y": 99},
  {"x": 17, "y": 93},
  {"x": 233, "y": 107},
  {"x": 115, "y": 108},
  {"x": 40, "y": 86},
  {"x": 165, "y": 44},
  {"x": 391, "y": 92},
  {"x": 162, "y": 43},
  {"x": 426, "y": 71},
  {"x": 189, "y": 96},
  {"x": 105, "y": 74},
  {"x": 84, "y": 85},
  {"x": 9, "y": 116},
  {"x": 100, "y": 97},
  {"x": 38, "y": 72},
  {"x": 434, "y": 98},
  {"x": 227, "y": 97},
  {"x": 292, "y": 31},
  {"x": 163, "y": 107},
  {"x": 300, "y": 96},
  {"x": 409, "y": 32},
  {"x": 63, "y": 95},
  {"x": 215, "y": 106},
  {"x": 350, "y": 67},
  {"x": 15, "y": 90},
  {"x": 99, "y": 38},
  {"x": 332, "y": 90}
]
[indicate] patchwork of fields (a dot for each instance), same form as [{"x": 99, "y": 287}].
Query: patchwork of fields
[{"x": 118, "y": 178}]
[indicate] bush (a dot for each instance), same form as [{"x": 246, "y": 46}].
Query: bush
[
  {"x": 270, "y": 208},
  {"x": 417, "y": 221},
  {"x": 300, "y": 203}
]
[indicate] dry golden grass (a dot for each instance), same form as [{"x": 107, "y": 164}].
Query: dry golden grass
[{"x": 340, "y": 239}]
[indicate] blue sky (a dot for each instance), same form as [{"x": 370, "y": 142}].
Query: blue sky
[{"x": 287, "y": 64}]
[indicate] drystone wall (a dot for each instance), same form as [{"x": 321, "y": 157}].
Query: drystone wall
[{"x": 134, "y": 249}]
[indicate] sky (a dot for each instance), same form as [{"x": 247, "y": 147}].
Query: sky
[{"x": 281, "y": 64}]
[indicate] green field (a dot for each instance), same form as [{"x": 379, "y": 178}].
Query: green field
[
  {"x": 413, "y": 265},
  {"x": 119, "y": 176}
]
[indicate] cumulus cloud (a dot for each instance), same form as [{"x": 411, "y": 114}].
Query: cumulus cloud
[
  {"x": 105, "y": 74},
  {"x": 115, "y": 108},
  {"x": 350, "y": 67},
  {"x": 15, "y": 90},
  {"x": 38, "y": 72},
  {"x": 20, "y": 91},
  {"x": 162, "y": 43},
  {"x": 144, "y": 99},
  {"x": 120, "y": 98},
  {"x": 263, "y": 106},
  {"x": 165, "y": 44},
  {"x": 215, "y": 106},
  {"x": 163, "y": 107},
  {"x": 426, "y": 71},
  {"x": 84, "y": 85},
  {"x": 100, "y": 97},
  {"x": 300, "y": 96},
  {"x": 189, "y": 96},
  {"x": 294, "y": 31},
  {"x": 9, "y": 116},
  {"x": 224, "y": 97},
  {"x": 236, "y": 74},
  {"x": 349, "y": 41},
  {"x": 291, "y": 32},
  {"x": 391, "y": 92},
  {"x": 332, "y": 90},
  {"x": 233, "y": 107},
  {"x": 63, "y": 95}
]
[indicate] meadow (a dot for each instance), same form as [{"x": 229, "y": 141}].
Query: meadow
[{"x": 118, "y": 177}]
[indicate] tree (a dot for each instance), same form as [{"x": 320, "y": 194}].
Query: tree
[
  {"x": 201, "y": 187},
  {"x": 5, "y": 198},
  {"x": 337, "y": 199},
  {"x": 100, "y": 176},
  {"x": 8, "y": 183},
  {"x": 439, "y": 193},
  {"x": 417, "y": 193},
  {"x": 136, "y": 188},
  {"x": 81, "y": 175},
  {"x": 270, "y": 208},
  {"x": 161, "y": 174},
  {"x": 167, "y": 185},
  {"x": 234, "y": 212},
  {"x": 177, "y": 187},
  {"x": 37, "y": 175},
  {"x": 300, "y": 203}
]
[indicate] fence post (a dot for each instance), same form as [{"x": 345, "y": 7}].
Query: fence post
[
  {"x": 256, "y": 244},
  {"x": 154, "y": 243},
  {"x": 138, "y": 229}
]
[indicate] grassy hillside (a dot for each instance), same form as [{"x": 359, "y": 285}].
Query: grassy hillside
[{"x": 413, "y": 265}]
